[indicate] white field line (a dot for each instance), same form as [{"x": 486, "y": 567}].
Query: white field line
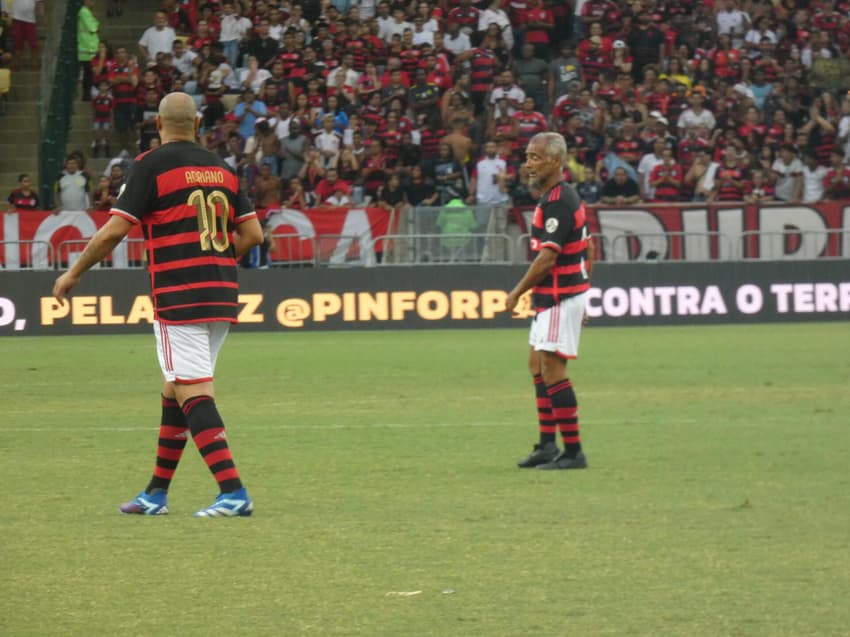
[{"x": 282, "y": 427}]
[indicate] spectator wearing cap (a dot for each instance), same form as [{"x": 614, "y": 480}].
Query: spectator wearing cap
[
  {"x": 248, "y": 111},
  {"x": 157, "y": 39},
  {"x": 621, "y": 60}
]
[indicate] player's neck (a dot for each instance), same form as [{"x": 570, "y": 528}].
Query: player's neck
[
  {"x": 177, "y": 138},
  {"x": 551, "y": 183}
]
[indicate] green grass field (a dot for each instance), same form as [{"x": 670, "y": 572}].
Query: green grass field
[{"x": 717, "y": 501}]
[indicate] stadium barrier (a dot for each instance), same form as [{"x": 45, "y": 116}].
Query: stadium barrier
[{"x": 113, "y": 301}]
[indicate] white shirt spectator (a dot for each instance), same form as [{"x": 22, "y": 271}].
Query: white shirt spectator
[
  {"x": 844, "y": 135},
  {"x": 184, "y": 63},
  {"x": 281, "y": 127},
  {"x": 784, "y": 186},
  {"x": 365, "y": 8},
  {"x": 157, "y": 41},
  {"x": 394, "y": 27},
  {"x": 488, "y": 17},
  {"x": 276, "y": 32},
  {"x": 690, "y": 118},
  {"x": 22, "y": 10},
  {"x": 351, "y": 78},
  {"x": 813, "y": 187},
  {"x": 234, "y": 27},
  {"x": 514, "y": 94},
  {"x": 422, "y": 37},
  {"x": 328, "y": 142},
  {"x": 807, "y": 55},
  {"x": 459, "y": 44},
  {"x": 261, "y": 76},
  {"x": 735, "y": 23},
  {"x": 647, "y": 163},
  {"x": 487, "y": 190}
]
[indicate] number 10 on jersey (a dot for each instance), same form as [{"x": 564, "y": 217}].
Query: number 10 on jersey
[{"x": 213, "y": 215}]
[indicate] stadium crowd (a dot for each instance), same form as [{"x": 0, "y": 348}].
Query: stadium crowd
[{"x": 340, "y": 102}]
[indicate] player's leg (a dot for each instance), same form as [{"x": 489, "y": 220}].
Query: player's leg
[
  {"x": 546, "y": 449},
  {"x": 564, "y": 339},
  {"x": 192, "y": 353}
]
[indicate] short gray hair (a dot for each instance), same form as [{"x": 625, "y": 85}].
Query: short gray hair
[{"x": 555, "y": 144}]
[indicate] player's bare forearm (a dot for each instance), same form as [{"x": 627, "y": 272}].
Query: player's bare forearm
[
  {"x": 98, "y": 248},
  {"x": 535, "y": 273},
  {"x": 247, "y": 235}
]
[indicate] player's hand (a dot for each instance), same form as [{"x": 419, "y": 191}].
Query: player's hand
[
  {"x": 585, "y": 319},
  {"x": 64, "y": 284},
  {"x": 511, "y": 301}
]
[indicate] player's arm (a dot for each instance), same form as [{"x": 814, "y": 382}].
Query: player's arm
[
  {"x": 246, "y": 235},
  {"x": 535, "y": 274},
  {"x": 99, "y": 246},
  {"x": 591, "y": 256}
]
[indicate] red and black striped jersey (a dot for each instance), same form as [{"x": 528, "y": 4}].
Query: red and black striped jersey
[
  {"x": 102, "y": 107},
  {"x": 483, "y": 66},
  {"x": 729, "y": 191},
  {"x": 559, "y": 223},
  {"x": 188, "y": 203}
]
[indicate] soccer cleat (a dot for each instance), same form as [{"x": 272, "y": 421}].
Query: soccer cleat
[
  {"x": 229, "y": 505},
  {"x": 566, "y": 462},
  {"x": 147, "y": 504},
  {"x": 541, "y": 454}
]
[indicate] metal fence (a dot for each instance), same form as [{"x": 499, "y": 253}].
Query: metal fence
[{"x": 424, "y": 237}]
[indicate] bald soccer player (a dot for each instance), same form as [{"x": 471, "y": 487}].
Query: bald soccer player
[{"x": 197, "y": 224}]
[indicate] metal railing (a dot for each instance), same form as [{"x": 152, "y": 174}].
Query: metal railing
[
  {"x": 793, "y": 244},
  {"x": 37, "y": 255},
  {"x": 340, "y": 250},
  {"x": 669, "y": 246}
]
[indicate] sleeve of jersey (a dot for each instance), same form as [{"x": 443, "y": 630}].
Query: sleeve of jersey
[
  {"x": 557, "y": 224},
  {"x": 244, "y": 209},
  {"x": 135, "y": 195}
]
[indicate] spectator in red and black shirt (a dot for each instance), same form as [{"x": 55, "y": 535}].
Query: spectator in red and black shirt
[
  {"x": 667, "y": 178},
  {"x": 197, "y": 223},
  {"x": 23, "y": 197},
  {"x": 124, "y": 78},
  {"x": 729, "y": 178},
  {"x": 837, "y": 181},
  {"x": 102, "y": 105}
]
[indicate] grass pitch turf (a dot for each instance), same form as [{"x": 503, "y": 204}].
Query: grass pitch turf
[{"x": 717, "y": 500}]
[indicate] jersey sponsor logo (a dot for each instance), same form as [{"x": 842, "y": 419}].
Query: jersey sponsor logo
[{"x": 551, "y": 225}]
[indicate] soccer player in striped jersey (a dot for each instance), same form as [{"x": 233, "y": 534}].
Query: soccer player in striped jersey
[
  {"x": 197, "y": 224},
  {"x": 559, "y": 278}
]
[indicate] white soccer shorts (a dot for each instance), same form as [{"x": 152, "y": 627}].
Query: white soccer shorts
[
  {"x": 558, "y": 329},
  {"x": 187, "y": 352}
]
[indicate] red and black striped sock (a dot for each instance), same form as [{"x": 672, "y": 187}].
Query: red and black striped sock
[
  {"x": 544, "y": 411},
  {"x": 208, "y": 433},
  {"x": 565, "y": 411},
  {"x": 173, "y": 434}
]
